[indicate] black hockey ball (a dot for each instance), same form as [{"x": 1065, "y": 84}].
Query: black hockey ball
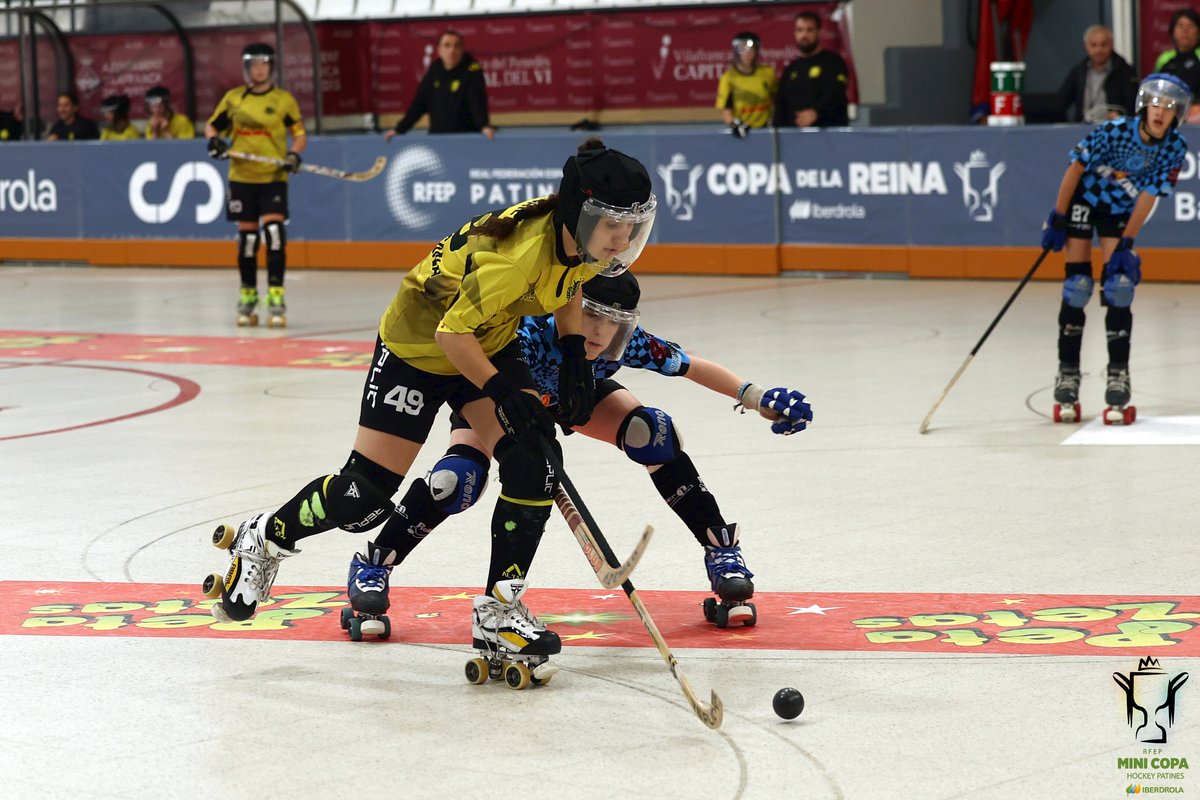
[{"x": 788, "y": 703}]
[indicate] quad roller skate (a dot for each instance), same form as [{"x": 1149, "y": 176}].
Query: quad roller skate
[
  {"x": 1066, "y": 394},
  {"x": 1117, "y": 394},
  {"x": 276, "y": 308},
  {"x": 247, "y": 307},
  {"x": 252, "y": 568},
  {"x": 367, "y": 587},
  {"x": 730, "y": 580},
  {"x": 513, "y": 644}
]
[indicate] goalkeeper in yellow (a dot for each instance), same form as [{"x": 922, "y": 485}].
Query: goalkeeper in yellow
[
  {"x": 259, "y": 117},
  {"x": 746, "y": 92}
]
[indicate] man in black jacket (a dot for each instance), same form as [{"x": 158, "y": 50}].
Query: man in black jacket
[
  {"x": 812, "y": 89},
  {"x": 452, "y": 92},
  {"x": 1101, "y": 87}
]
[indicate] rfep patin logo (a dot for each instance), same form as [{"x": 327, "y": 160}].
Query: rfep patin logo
[
  {"x": 27, "y": 193},
  {"x": 981, "y": 185},
  {"x": 162, "y": 213},
  {"x": 1150, "y": 693},
  {"x": 681, "y": 196}
]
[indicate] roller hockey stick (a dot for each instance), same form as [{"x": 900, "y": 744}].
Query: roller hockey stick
[
  {"x": 581, "y": 524},
  {"x": 317, "y": 169},
  {"x": 710, "y": 713},
  {"x": 982, "y": 339}
]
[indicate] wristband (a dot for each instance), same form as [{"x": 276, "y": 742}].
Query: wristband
[{"x": 749, "y": 396}]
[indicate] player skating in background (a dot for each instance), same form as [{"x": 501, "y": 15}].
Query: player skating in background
[
  {"x": 260, "y": 117},
  {"x": 746, "y": 90},
  {"x": 449, "y": 337},
  {"x": 1117, "y": 173},
  {"x": 647, "y": 436}
]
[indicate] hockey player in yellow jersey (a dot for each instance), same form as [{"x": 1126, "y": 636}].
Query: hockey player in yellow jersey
[
  {"x": 260, "y": 118},
  {"x": 449, "y": 337},
  {"x": 746, "y": 91}
]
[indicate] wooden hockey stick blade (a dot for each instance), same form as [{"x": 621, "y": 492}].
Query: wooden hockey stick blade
[
  {"x": 946, "y": 391},
  {"x": 610, "y": 576},
  {"x": 710, "y": 713},
  {"x": 317, "y": 169}
]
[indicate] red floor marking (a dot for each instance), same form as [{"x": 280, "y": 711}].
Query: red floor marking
[
  {"x": 232, "y": 350},
  {"x": 927, "y": 623}
]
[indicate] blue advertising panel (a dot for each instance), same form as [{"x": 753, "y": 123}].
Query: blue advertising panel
[{"x": 39, "y": 190}]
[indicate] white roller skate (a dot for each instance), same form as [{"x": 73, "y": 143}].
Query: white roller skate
[
  {"x": 512, "y": 643},
  {"x": 367, "y": 588},
  {"x": 1066, "y": 394},
  {"x": 276, "y": 308},
  {"x": 730, "y": 579},
  {"x": 252, "y": 568},
  {"x": 1117, "y": 394},
  {"x": 247, "y": 308}
]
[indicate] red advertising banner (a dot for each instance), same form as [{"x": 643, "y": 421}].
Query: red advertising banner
[{"x": 586, "y": 62}]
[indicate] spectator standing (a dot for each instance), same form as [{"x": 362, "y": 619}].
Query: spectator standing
[
  {"x": 747, "y": 89},
  {"x": 165, "y": 122},
  {"x": 1184, "y": 60},
  {"x": 117, "y": 128},
  {"x": 1101, "y": 87},
  {"x": 71, "y": 126},
  {"x": 812, "y": 90},
  {"x": 453, "y": 93}
]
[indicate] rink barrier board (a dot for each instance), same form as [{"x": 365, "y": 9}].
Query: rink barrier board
[{"x": 1158, "y": 265}]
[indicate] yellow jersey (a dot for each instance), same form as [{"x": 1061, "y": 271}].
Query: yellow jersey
[
  {"x": 752, "y": 95},
  {"x": 259, "y": 124},
  {"x": 129, "y": 134},
  {"x": 476, "y": 284},
  {"x": 179, "y": 127}
]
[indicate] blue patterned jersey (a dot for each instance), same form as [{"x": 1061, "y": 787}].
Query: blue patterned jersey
[
  {"x": 539, "y": 341},
  {"x": 1118, "y": 165}
]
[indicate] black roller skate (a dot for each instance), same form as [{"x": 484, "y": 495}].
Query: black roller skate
[
  {"x": 1066, "y": 394},
  {"x": 730, "y": 579},
  {"x": 254, "y": 562},
  {"x": 367, "y": 587},
  {"x": 1117, "y": 395},
  {"x": 512, "y": 643}
]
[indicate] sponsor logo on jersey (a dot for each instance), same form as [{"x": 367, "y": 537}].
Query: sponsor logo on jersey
[{"x": 160, "y": 213}]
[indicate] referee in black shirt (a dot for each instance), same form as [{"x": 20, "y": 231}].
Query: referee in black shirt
[
  {"x": 812, "y": 89},
  {"x": 452, "y": 92}
]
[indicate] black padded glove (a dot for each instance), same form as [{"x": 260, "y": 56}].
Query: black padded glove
[
  {"x": 218, "y": 149},
  {"x": 576, "y": 382},
  {"x": 521, "y": 415},
  {"x": 739, "y": 129},
  {"x": 293, "y": 161}
]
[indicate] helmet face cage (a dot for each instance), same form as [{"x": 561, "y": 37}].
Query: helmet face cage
[
  {"x": 260, "y": 54},
  {"x": 1164, "y": 91},
  {"x": 597, "y": 218},
  {"x": 626, "y": 322}
]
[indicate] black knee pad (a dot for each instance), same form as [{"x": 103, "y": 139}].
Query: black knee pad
[
  {"x": 523, "y": 475},
  {"x": 275, "y": 238},
  {"x": 648, "y": 436},
  {"x": 247, "y": 256},
  {"x": 359, "y": 497}
]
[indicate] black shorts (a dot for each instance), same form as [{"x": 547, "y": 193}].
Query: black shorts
[
  {"x": 404, "y": 401},
  {"x": 1083, "y": 219},
  {"x": 249, "y": 202}
]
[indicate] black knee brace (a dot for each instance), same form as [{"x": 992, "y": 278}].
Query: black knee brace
[
  {"x": 1118, "y": 325},
  {"x": 276, "y": 239},
  {"x": 359, "y": 497},
  {"x": 248, "y": 257},
  {"x": 524, "y": 476}
]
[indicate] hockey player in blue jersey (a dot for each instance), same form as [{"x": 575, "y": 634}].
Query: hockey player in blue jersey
[
  {"x": 648, "y": 436},
  {"x": 1116, "y": 175}
]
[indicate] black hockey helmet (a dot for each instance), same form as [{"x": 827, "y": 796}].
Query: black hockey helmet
[
  {"x": 601, "y": 182},
  {"x": 115, "y": 104},
  {"x": 619, "y": 292},
  {"x": 257, "y": 51},
  {"x": 158, "y": 94},
  {"x": 747, "y": 39},
  {"x": 615, "y": 300}
]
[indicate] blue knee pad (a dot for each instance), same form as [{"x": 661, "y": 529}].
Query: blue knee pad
[
  {"x": 458, "y": 479},
  {"x": 648, "y": 436},
  {"x": 1118, "y": 290},
  {"x": 1077, "y": 290}
]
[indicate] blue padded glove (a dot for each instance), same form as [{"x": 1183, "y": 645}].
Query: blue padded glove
[
  {"x": 794, "y": 413},
  {"x": 1054, "y": 231},
  {"x": 1124, "y": 260}
]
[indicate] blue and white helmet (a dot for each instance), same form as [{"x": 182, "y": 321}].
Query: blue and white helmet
[{"x": 1167, "y": 91}]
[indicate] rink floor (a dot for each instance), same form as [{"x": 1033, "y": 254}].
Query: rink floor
[{"x": 953, "y": 606}]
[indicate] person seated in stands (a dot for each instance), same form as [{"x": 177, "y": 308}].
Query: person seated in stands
[
  {"x": 164, "y": 121},
  {"x": 71, "y": 127},
  {"x": 1184, "y": 60},
  {"x": 1102, "y": 86},
  {"x": 117, "y": 127}
]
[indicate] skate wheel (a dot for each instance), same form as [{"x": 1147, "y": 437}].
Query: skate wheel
[
  {"x": 476, "y": 671},
  {"x": 1058, "y": 412},
  {"x": 371, "y": 627},
  {"x": 722, "y": 616},
  {"x": 541, "y": 681},
  {"x": 223, "y": 536},
  {"x": 516, "y": 675},
  {"x": 1130, "y": 415},
  {"x": 212, "y": 585},
  {"x": 356, "y": 631},
  {"x": 1111, "y": 415},
  {"x": 347, "y": 613},
  {"x": 744, "y": 614},
  {"x": 710, "y": 609},
  {"x": 218, "y": 612},
  {"x": 387, "y": 628}
]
